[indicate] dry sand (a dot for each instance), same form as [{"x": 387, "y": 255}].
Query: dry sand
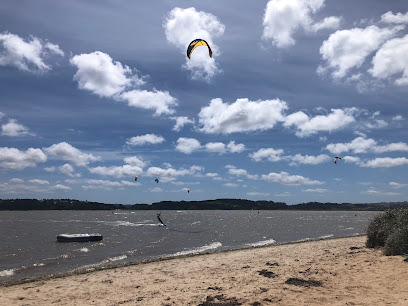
[{"x": 334, "y": 271}]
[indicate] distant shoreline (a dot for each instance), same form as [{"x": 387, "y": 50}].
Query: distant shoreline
[{"x": 217, "y": 204}]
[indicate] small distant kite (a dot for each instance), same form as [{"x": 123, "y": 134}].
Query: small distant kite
[
  {"x": 136, "y": 178},
  {"x": 195, "y": 43},
  {"x": 156, "y": 180},
  {"x": 188, "y": 190},
  {"x": 335, "y": 159}
]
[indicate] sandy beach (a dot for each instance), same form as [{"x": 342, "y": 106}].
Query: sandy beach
[{"x": 333, "y": 271}]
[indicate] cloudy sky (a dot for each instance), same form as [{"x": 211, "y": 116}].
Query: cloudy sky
[{"x": 96, "y": 93}]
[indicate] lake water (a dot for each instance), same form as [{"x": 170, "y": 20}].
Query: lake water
[{"x": 28, "y": 245}]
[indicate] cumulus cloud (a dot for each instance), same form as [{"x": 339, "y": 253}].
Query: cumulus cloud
[
  {"x": 106, "y": 185},
  {"x": 182, "y": 26},
  {"x": 232, "y": 185},
  {"x": 181, "y": 122},
  {"x": 135, "y": 161},
  {"x": 364, "y": 145},
  {"x": 386, "y": 162},
  {"x": 240, "y": 172},
  {"x": 145, "y": 139},
  {"x": 318, "y": 190},
  {"x": 348, "y": 49},
  {"x": 215, "y": 147},
  {"x": 2, "y": 115},
  {"x": 241, "y": 116},
  {"x": 18, "y": 186},
  {"x": 67, "y": 169},
  {"x": 69, "y": 153},
  {"x": 397, "y": 118},
  {"x": 336, "y": 120},
  {"x": 26, "y": 55},
  {"x": 287, "y": 179},
  {"x": 283, "y": 18},
  {"x": 235, "y": 148},
  {"x": 308, "y": 159},
  {"x": 392, "y": 60},
  {"x": 397, "y": 185},
  {"x": 14, "y": 129},
  {"x": 389, "y": 17},
  {"x": 187, "y": 145},
  {"x": 99, "y": 74},
  {"x": 269, "y": 154},
  {"x": 171, "y": 174},
  {"x": 373, "y": 191},
  {"x": 117, "y": 171},
  {"x": 12, "y": 158},
  {"x": 258, "y": 194},
  {"x": 160, "y": 101}
]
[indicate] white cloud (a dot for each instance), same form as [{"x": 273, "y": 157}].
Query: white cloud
[
  {"x": 12, "y": 158},
  {"x": 287, "y": 179},
  {"x": 347, "y": 49},
  {"x": 373, "y": 191},
  {"x": 337, "y": 119},
  {"x": 117, "y": 171},
  {"x": 397, "y": 118},
  {"x": 215, "y": 147},
  {"x": 258, "y": 194},
  {"x": 159, "y": 101},
  {"x": 181, "y": 122},
  {"x": 392, "y": 60},
  {"x": 67, "y": 169},
  {"x": 27, "y": 56},
  {"x": 364, "y": 145},
  {"x": 50, "y": 169},
  {"x": 318, "y": 190},
  {"x": 14, "y": 129},
  {"x": 98, "y": 73},
  {"x": 235, "y": 148},
  {"x": 145, "y": 139},
  {"x": 170, "y": 174},
  {"x": 269, "y": 154},
  {"x": 187, "y": 145},
  {"x": 69, "y": 153},
  {"x": 39, "y": 182},
  {"x": 386, "y": 162},
  {"x": 241, "y": 116},
  {"x": 240, "y": 172},
  {"x": 232, "y": 185},
  {"x": 212, "y": 175},
  {"x": 18, "y": 186},
  {"x": 397, "y": 185},
  {"x": 182, "y": 26},
  {"x": 107, "y": 185},
  {"x": 352, "y": 159},
  {"x": 389, "y": 17},
  {"x": 308, "y": 159},
  {"x": 283, "y": 18},
  {"x": 135, "y": 161},
  {"x": 2, "y": 115}
]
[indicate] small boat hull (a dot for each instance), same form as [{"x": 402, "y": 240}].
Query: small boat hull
[{"x": 79, "y": 237}]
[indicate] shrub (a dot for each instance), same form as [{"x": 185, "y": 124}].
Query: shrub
[{"x": 389, "y": 230}]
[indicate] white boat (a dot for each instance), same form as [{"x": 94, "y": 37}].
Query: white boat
[{"x": 79, "y": 237}]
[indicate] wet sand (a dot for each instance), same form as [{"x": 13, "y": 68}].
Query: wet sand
[{"x": 333, "y": 271}]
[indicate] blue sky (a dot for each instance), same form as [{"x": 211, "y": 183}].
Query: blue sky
[{"x": 95, "y": 93}]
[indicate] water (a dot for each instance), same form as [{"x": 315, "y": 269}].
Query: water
[{"x": 28, "y": 246}]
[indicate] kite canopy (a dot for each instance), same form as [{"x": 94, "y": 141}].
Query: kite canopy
[
  {"x": 156, "y": 180},
  {"x": 188, "y": 190},
  {"x": 136, "y": 178},
  {"x": 335, "y": 159},
  {"x": 195, "y": 43}
]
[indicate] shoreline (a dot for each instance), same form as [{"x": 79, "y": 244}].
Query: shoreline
[
  {"x": 80, "y": 271},
  {"x": 338, "y": 271}
]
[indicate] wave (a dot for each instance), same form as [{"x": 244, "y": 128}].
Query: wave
[
  {"x": 127, "y": 223},
  {"x": 198, "y": 250},
  {"x": 9, "y": 272},
  {"x": 316, "y": 238},
  {"x": 262, "y": 243}
]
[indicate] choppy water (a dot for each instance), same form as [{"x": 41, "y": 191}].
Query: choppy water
[{"x": 28, "y": 245}]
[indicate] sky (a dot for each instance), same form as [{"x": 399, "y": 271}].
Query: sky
[{"x": 94, "y": 93}]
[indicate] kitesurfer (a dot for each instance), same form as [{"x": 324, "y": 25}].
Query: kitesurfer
[{"x": 158, "y": 218}]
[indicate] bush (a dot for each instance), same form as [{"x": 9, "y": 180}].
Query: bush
[{"x": 389, "y": 230}]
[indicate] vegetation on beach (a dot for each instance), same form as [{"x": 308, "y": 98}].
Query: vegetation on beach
[{"x": 389, "y": 230}]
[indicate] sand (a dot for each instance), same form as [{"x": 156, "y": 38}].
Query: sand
[{"x": 333, "y": 271}]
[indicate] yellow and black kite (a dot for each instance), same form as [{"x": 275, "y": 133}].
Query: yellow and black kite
[{"x": 195, "y": 43}]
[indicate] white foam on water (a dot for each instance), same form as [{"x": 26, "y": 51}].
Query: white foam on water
[
  {"x": 262, "y": 243},
  {"x": 41, "y": 264},
  {"x": 349, "y": 228},
  {"x": 85, "y": 250},
  {"x": 198, "y": 250},
  {"x": 9, "y": 272},
  {"x": 117, "y": 258},
  {"x": 127, "y": 223}
]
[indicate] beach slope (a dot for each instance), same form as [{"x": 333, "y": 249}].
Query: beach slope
[{"x": 333, "y": 271}]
